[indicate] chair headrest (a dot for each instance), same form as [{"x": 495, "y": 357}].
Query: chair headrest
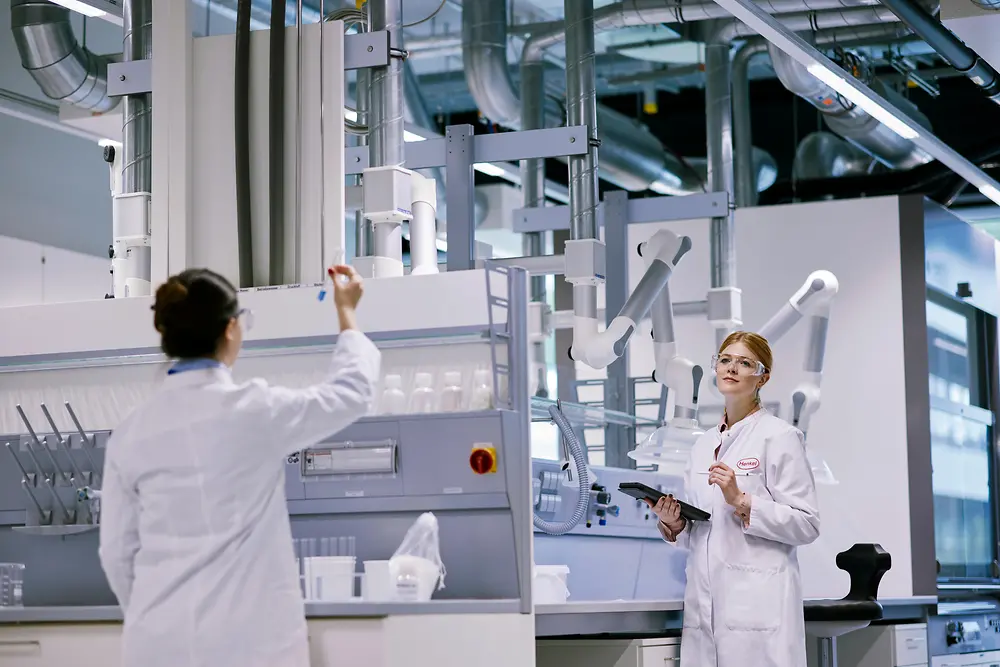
[{"x": 866, "y": 564}]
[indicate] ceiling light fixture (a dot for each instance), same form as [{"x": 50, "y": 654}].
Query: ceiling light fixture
[
  {"x": 81, "y": 7},
  {"x": 831, "y": 74}
]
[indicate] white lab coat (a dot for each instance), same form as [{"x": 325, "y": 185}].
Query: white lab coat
[
  {"x": 743, "y": 601},
  {"x": 195, "y": 537}
]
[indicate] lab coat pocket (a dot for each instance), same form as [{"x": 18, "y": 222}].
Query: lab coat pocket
[
  {"x": 754, "y": 484},
  {"x": 753, "y": 598}
]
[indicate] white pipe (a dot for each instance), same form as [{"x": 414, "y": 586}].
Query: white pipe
[{"x": 423, "y": 226}]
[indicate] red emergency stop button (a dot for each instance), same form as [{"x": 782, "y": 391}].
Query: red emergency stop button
[{"x": 483, "y": 460}]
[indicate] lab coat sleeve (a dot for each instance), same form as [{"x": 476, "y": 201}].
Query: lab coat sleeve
[
  {"x": 298, "y": 418},
  {"x": 682, "y": 539},
  {"x": 790, "y": 515},
  {"x": 119, "y": 536}
]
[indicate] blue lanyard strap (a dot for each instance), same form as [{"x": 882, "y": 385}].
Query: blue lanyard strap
[{"x": 194, "y": 365}]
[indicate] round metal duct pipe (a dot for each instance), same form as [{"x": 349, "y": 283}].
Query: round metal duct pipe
[{"x": 63, "y": 69}]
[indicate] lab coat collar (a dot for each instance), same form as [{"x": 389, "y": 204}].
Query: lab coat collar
[
  {"x": 193, "y": 378},
  {"x": 741, "y": 425}
]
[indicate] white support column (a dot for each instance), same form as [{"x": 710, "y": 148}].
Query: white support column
[{"x": 171, "y": 158}]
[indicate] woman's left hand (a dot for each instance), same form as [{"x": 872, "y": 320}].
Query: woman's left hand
[{"x": 723, "y": 477}]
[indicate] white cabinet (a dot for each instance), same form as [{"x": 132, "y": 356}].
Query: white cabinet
[
  {"x": 663, "y": 652},
  {"x": 881, "y": 646},
  {"x": 58, "y": 645}
]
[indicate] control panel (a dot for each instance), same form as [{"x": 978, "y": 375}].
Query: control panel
[
  {"x": 965, "y": 639},
  {"x": 612, "y": 513}
]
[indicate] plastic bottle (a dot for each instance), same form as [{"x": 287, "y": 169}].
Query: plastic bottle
[
  {"x": 423, "y": 398},
  {"x": 452, "y": 396},
  {"x": 482, "y": 390},
  {"x": 393, "y": 398}
]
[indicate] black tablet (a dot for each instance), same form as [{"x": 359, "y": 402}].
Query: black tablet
[{"x": 640, "y": 491}]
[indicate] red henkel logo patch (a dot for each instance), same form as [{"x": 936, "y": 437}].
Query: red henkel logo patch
[{"x": 748, "y": 464}]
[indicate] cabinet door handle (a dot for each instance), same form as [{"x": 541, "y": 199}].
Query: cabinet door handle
[{"x": 19, "y": 646}]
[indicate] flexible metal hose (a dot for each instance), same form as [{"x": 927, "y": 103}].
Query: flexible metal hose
[{"x": 579, "y": 456}]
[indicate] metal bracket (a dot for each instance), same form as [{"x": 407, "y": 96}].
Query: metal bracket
[
  {"x": 640, "y": 211},
  {"x": 134, "y": 77},
  {"x": 366, "y": 49},
  {"x": 502, "y": 147}
]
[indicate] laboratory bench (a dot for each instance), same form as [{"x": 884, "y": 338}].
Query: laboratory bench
[{"x": 572, "y": 618}]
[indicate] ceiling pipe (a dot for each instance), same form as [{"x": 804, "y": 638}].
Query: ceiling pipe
[
  {"x": 49, "y": 51},
  {"x": 746, "y": 193},
  {"x": 948, "y": 46},
  {"x": 849, "y": 120},
  {"x": 825, "y": 155},
  {"x": 719, "y": 125}
]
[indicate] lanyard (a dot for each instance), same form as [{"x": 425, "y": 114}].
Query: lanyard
[{"x": 194, "y": 365}]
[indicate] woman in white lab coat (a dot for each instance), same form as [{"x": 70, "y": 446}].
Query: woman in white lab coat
[
  {"x": 743, "y": 601},
  {"x": 195, "y": 537}
]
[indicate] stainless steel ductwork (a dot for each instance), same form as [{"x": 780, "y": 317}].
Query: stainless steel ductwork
[
  {"x": 825, "y": 155},
  {"x": 848, "y": 120},
  {"x": 631, "y": 157},
  {"x": 63, "y": 69}
]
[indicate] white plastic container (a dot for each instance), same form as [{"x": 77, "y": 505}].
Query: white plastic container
[
  {"x": 378, "y": 583},
  {"x": 330, "y": 578},
  {"x": 550, "y": 584},
  {"x": 393, "y": 399},
  {"x": 415, "y": 578},
  {"x": 452, "y": 396},
  {"x": 424, "y": 398},
  {"x": 482, "y": 390}
]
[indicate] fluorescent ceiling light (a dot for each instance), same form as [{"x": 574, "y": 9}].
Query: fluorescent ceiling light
[
  {"x": 876, "y": 111},
  {"x": 410, "y": 136},
  {"x": 81, "y": 7},
  {"x": 831, "y": 74},
  {"x": 490, "y": 169}
]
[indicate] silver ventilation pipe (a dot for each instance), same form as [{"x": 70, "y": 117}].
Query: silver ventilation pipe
[
  {"x": 825, "y": 155},
  {"x": 137, "y": 120},
  {"x": 745, "y": 190},
  {"x": 631, "y": 157},
  {"x": 744, "y": 154},
  {"x": 719, "y": 122},
  {"x": 850, "y": 121},
  {"x": 385, "y": 136},
  {"x": 581, "y": 109},
  {"x": 533, "y": 196},
  {"x": 63, "y": 69}
]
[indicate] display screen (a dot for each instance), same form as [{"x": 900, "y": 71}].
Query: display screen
[{"x": 961, "y": 442}]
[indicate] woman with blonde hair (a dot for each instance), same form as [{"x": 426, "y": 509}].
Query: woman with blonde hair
[{"x": 743, "y": 601}]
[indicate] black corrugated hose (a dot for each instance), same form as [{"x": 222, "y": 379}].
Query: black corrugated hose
[
  {"x": 276, "y": 139},
  {"x": 242, "y": 123}
]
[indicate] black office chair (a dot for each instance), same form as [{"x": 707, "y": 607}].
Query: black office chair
[{"x": 828, "y": 619}]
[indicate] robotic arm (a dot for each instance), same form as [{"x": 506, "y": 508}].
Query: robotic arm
[
  {"x": 812, "y": 300},
  {"x": 661, "y": 253}
]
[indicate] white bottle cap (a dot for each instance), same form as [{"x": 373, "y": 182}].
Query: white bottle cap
[
  {"x": 453, "y": 379},
  {"x": 423, "y": 380},
  {"x": 393, "y": 381}
]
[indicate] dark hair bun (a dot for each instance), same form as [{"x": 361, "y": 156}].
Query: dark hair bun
[
  {"x": 191, "y": 312},
  {"x": 169, "y": 295}
]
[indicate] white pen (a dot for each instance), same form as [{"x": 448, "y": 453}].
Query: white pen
[{"x": 739, "y": 473}]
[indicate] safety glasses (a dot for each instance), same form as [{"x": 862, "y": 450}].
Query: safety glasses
[
  {"x": 245, "y": 317},
  {"x": 743, "y": 365}
]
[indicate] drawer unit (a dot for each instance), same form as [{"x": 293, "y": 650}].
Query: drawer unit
[
  {"x": 58, "y": 645},
  {"x": 880, "y": 646},
  {"x": 660, "y": 652}
]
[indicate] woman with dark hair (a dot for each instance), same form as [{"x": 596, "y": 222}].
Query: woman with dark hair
[{"x": 195, "y": 538}]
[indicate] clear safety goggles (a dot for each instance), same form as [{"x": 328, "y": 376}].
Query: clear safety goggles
[
  {"x": 743, "y": 365},
  {"x": 245, "y": 317}
]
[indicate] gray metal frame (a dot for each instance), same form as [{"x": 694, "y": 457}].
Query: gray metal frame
[{"x": 639, "y": 211}]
